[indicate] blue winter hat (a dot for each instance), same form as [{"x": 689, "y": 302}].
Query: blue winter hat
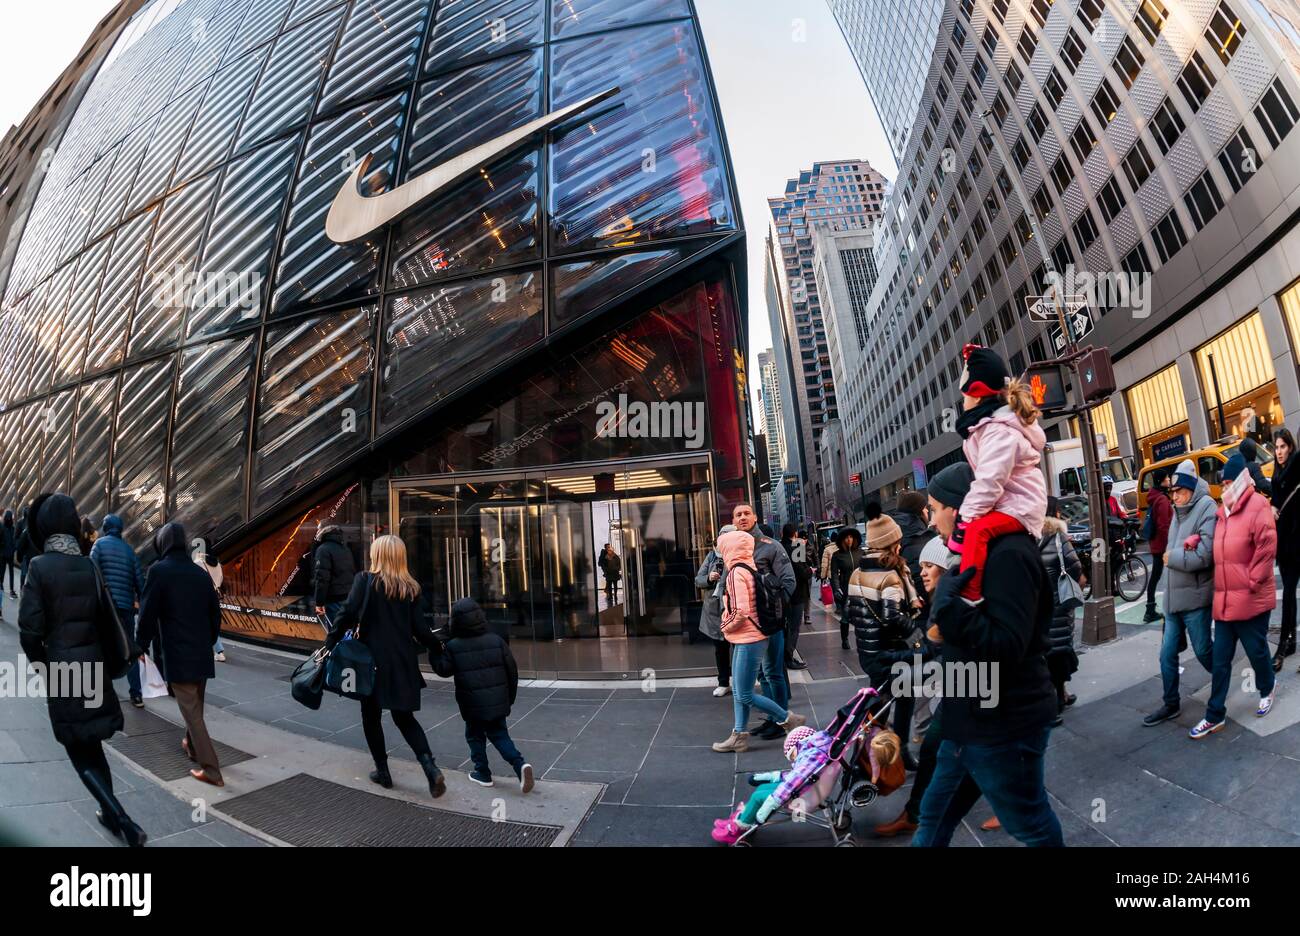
[
  {"x": 1235, "y": 466},
  {"x": 1185, "y": 475}
]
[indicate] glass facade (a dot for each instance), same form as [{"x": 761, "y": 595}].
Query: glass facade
[{"x": 179, "y": 339}]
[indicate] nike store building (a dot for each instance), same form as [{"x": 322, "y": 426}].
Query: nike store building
[{"x": 467, "y": 271}]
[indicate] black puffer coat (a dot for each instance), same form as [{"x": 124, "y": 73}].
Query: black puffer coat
[
  {"x": 57, "y": 624},
  {"x": 915, "y": 535},
  {"x": 480, "y": 662},
  {"x": 180, "y": 613},
  {"x": 335, "y": 570},
  {"x": 879, "y": 608},
  {"x": 391, "y": 628},
  {"x": 1285, "y": 481},
  {"x": 844, "y": 561},
  {"x": 1061, "y": 633}
]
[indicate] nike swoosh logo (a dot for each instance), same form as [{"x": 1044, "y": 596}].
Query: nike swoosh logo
[{"x": 352, "y": 215}]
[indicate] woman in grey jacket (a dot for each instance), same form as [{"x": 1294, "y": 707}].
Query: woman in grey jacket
[
  {"x": 710, "y": 577},
  {"x": 1189, "y": 584}
]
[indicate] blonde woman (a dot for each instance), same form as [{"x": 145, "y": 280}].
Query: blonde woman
[{"x": 384, "y": 606}]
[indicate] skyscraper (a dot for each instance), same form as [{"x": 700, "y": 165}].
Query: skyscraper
[{"x": 832, "y": 195}]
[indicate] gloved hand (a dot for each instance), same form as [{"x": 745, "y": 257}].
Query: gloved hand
[
  {"x": 769, "y": 806},
  {"x": 957, "y": 541},
  {"x": 1192, "y": 542},
  {"x": 758, "y": 779},
  {"x": 947, "y": 591}
]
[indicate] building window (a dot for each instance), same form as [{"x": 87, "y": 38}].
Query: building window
[
  {"x": 1000, "y": 10},
  {"x": 1061, "y": 175},
  {"x": 1151, "y": 18},
  {"x": 1225, "y": 32},
  {"x": 950, "y": 63},
  {"x": 1239, "y": 159},
  {"x": 978, "y": 227},
  {"x": 1054, "y": 88},
  {"x": 1203, "y": 200},
  {"x": 999, "y": 108},
  {"x": 991, "y": 204},
  {"x": 1196, "y": 81},
  {"x": 1042, "y": 203},
  {"x": 959, "y": 35},
  {"x": 1014, "y": 77},
  {"x": 1020, "y": 154},
  {"x": 966, "y": 7},
  {"x": 1027, "y": 43},
  {"x": 989, "y": 40},
  {"x": 1082, "y": 141},
  {"x": 979, "y": 71},
  {"x": 1090, "y": 12},
  {"x": 1008, "y": 250},
  {"x": 1138, "y": 165},
  {"x": 1166, "y": 126},
  {"x": 1085, "y": 231},
  {"x": 1168, "y": 236},
  {"x": 1128, "y": 62},
  {"x": 1110, "y": 199},
  {"x": 1062, "y": 256},
  {"x": 980, "y": 290},
  {"x": 1276, "y": 113},
  {"x": 1072, "y": 50},
  {"x": 1105, "y": 106},
  {"x": 1005, "y": 317},
  {"x": 1037, "y": 122}
]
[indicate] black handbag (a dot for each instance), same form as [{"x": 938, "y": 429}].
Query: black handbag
[
  {"x": 350, "y": 666},
  {"x": 307, "y": 684},
  {"x": 119, "y": 648}
]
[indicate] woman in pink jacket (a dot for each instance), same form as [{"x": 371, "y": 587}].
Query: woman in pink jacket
[
  {"x": 1245, "y": 545},
  {"x": 748, "y": 644}
]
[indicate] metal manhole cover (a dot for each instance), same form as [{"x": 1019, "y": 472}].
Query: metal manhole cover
[
  {"x": 155, "y": 744},
  {"x": 306, "y": 811}
]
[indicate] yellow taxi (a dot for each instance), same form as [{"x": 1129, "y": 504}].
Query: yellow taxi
[{"x": 1209, "y": 462}]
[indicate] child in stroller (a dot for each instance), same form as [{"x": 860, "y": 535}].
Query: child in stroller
[{"x": 848, "y": 763}]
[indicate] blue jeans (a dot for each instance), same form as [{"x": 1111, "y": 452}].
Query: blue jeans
[
  {"x": 1197, "y": 625},
  {"x": 1009, "y": 775},
  {"x": 1253, "y": 634},
  {"x": 127, "y": 617},
  {"x": 771, "y": 672},
  {"x": 479, "y": 733},
  {"x": 746, "y": 659}
]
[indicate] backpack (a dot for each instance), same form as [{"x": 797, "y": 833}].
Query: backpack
[
  {"x": 1149, "y": 524},
  {"x": 768, "y": 600}
]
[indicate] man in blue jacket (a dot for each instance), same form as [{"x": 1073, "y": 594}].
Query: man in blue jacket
[{"x": 120, "y": 567}]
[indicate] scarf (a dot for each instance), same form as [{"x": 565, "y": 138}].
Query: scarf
[
  {"x": 64, "y": 543},
  {"x": 970, "y": 418},
  {"x": 1235, "y": 492}
]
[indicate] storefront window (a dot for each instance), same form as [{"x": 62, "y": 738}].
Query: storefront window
[
  {"x": 1159, "y": 413},
  {"x": 1237, "y": 378}
]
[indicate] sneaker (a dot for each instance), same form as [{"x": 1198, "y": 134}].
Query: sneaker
[
  {"x": 526, "y": 778},
  {"x": 991, "y": 824},
  {"x": 1265, "y": 704},
  {"x": 219, "y": 656},
  {"x": 1162, "y": 714},
  {"x": 1204, "y": 727},
  {"x": 768, "y": 731},
  {"x": 728, "y": 833},
  {"x": 721, "y": 691},
  {"x": 737, "y": 742},
  {"x": 482, "y": 779},
  {"x": 137, "y": 700},
  {"x": 793, "y": 721}
]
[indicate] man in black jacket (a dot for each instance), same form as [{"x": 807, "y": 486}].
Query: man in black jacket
[
  {"x": 912, "y": 517},
  {"x": 994, "y": 743},
  {"x": 180, "y": 615},
  {"x": 334, "y": 570},
  {"x": 486, "y": 679}
]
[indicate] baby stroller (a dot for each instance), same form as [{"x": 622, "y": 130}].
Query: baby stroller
[{"x": 827, "y": 797}]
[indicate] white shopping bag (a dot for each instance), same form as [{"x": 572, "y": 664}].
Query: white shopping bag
[{"x": 152, "y": 684}]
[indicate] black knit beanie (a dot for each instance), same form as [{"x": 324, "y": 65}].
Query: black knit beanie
[{"x": 985, "y": 374}]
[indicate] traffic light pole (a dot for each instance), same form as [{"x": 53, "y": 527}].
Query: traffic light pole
[{"x": 1099, "y": 609}]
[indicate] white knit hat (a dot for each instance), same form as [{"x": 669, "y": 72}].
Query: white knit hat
[{"x": 936, "y": 552}]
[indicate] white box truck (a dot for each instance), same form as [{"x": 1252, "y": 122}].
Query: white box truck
[{"x": 1063, "y": 468}]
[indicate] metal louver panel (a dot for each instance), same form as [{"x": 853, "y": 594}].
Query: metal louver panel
[
  {"x": 31, "y": 438},
  {"x": 159, "y": 160},
  {"x": 314, "y": 407},
  {"x": 129, "y": 153},
  {"x": 575, "y": 17},
  {"x": 260, "y": 23},
  {"x": 11, "y": 422},
  {"x": 89, "y": 485},
  {"x": 57, "y": 427},
  {"x": 140, "y": 448},
  {"x": 287, "y": 88},
  {"x": 380, "y": 43},
  {"x": 236, "y": 262},
  {"x": 117, "y": 293},
  {"x": 81, "y": 308},
  {"x": 211, "y": 36},
  {"x": 312, "y": 268},
  {"x": 305, "y": 9},
  {"x": 46, "y": 325},
  {"x": 173, "y": 261},
  {"x": 214, "y": 128},
  {"x": 208, "y": 445},
  {"x": 465, "y": 31},
  {"x": 92, "y": 187}
]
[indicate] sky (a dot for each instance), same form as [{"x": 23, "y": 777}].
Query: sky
[{"x": 791, "y": 95}]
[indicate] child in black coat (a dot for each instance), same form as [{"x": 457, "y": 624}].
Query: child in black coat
[{"x": 486, "y": 679}]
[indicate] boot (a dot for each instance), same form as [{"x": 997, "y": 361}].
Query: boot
[
  {"x": 903, "y": 824},
  {"x": 909, "y": 762},
  {"x": 111, "y": 815},
  {"x": 381, "y": 776},
  {"x": 737, "y": 742},
  {"x": 1152, "y": 615},
  {"x": 437, "y": 785}
]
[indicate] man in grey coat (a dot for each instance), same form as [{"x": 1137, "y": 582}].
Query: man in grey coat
[
  {"x": 709, "y": 577},
  {"x": 1189, "y": 583},
  {"x": 770, "y": 558}
]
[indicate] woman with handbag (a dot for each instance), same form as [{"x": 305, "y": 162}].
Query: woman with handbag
[
  {"x": 65, "y": 617},
  {"x": 1286, "y": 511},
  {"x": 385, "y": 612},
  {"x": 1064, "y": 570},
  {"x": 709, "y": 578}
]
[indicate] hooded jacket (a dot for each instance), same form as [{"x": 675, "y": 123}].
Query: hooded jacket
[
  {"x": 1054, "y": 545},
  {"x": 1286, "y": 479},
  {"x": 915, "y": 535},
  {"x": 770, "y": 558},
  {"x": 1162, "y": 509},
  {"x": 8, "y": 539},
  {"x": 1005, "y": 455},
  {"x": 739, "y": 608},
  {"x": 480, "y": 664},
  {"x": 1189, "y": 573},
  {"x": 844, "y": 562},
  {"x": 334, "y": 568},
  {"x": 58, "y": 622},
  {"x": 179, "y": 611},
  {"x": 711, "y": 609},
  {"x": 1245, "y": 545},
  {"x": 118, "y": 564}
]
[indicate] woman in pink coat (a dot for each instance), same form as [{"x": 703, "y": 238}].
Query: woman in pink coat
[{"x": 1245, "y": 545}]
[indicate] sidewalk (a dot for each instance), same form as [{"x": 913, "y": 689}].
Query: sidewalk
[{"x": 622, "y": 766}]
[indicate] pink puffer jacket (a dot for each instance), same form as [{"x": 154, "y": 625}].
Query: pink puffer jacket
[
  {"x": 1245, "y": 545},
  {"x": 1004, "y": 454},
  {"x": 739, "y": 609}
]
